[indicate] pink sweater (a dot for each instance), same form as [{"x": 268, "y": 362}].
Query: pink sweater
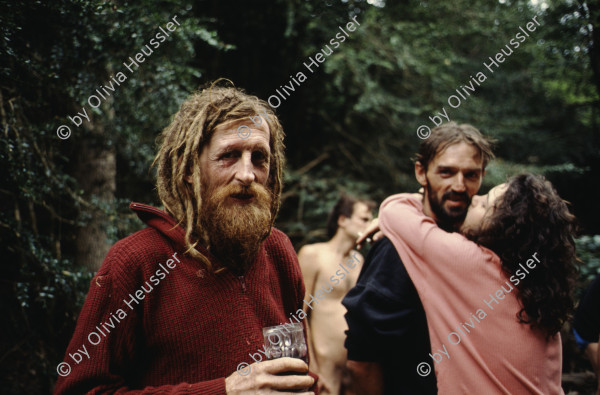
[{"x": 478, "y": 346}]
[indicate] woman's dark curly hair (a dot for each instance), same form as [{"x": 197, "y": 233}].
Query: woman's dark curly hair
[{"x": 531, "y": 218}]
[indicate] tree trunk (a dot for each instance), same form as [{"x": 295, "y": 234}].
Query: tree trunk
[
  {"x": 594, "y": 10},
  {"x": 96, "y": 175}
]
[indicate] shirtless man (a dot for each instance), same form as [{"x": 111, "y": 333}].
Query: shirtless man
[{"x": 320, "y": 264}]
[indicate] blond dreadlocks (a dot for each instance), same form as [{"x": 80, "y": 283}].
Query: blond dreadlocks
[{"x": 182, "y": 142}]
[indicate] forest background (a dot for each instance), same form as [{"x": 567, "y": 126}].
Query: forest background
[{"x": 351, "y": 126}]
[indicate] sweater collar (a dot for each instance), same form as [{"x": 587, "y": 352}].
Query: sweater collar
[
  {"x": 162, "y": 222},
  {"x": 170, "y": 228}
]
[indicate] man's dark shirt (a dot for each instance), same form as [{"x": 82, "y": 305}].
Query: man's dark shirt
[
  {"x": 587, "y": 317},
  {"x": 387, "y": 323}
]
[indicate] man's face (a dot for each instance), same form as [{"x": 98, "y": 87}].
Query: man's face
[
  {"x": 358, "y": 222},
  {"x": 452, "y": 178},
  {"x": 228, "y": 159},
  {"x": 236, "y": 204}
]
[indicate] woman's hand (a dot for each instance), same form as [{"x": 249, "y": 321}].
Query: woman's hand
[
  {"x": 417, "y": 196},
  {"x": 371, "y": 234}
]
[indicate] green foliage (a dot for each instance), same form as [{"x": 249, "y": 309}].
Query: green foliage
[
  {"x": 54, "y": 56},
  {"x": 308, "y": 199},
  {"x": 588, "y": 250},
  {"x": 350, "y": 127},
  {"x": 406, "y": 59}
]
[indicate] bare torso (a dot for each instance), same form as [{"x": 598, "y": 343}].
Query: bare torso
[{"x": 334, "y": 274}]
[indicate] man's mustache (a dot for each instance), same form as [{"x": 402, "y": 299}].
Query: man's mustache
[
  {"x": 256, "y": 191},
  {"x": 456, "y": 196},
  {"x": 243, "y": 192},
  {"x": 248, "y": 191}
]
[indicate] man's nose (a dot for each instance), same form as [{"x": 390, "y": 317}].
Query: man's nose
[
  {"x": 245, "y": 169},
  {"x": 459, "y": 183}
]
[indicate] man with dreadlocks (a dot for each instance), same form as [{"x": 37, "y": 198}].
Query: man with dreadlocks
[{"x": 179, "y": 306}]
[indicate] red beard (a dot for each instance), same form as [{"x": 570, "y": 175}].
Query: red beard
[{"x": 236, "y": 219}]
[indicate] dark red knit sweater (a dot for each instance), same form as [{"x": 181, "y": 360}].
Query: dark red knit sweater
[{"x": 190, "y": 329}]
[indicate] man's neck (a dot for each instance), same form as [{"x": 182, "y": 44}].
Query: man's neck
[
  {"x": 427, "y": 209},
  {"x": 341, "y": 243}
]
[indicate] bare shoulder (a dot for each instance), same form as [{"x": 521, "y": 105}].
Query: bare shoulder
[
  {"x": 312, "y": 254},
  {"x": 313, "y": 249},
  {"x": 357, "y": 256}
]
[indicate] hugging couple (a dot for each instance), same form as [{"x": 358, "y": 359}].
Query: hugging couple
[{"x": 443, "y": 252}]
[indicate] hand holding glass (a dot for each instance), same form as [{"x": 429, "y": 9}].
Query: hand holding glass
[{"x": 286, "y": 341}]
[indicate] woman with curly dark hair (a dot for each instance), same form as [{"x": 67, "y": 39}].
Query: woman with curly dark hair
[
  {"x": 496, "y": 295},
  {"x": 530, "y": 216}
]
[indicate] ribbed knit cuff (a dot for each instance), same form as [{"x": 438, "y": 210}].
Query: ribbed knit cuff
[{"x": 211, "y": 387}]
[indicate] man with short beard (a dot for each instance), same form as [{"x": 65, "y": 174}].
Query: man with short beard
[
  {"x": 179, "y": 306},
  {"x": 387, "y": 339}
]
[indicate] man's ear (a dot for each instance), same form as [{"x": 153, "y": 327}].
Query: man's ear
[
  {"x": 188, "y": 173},
  {"x": 188, "y": 176},
  {"x": 421, "y": 173},
  {"x": 342, "y": 219}
]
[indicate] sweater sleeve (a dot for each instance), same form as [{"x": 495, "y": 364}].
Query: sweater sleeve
[
  {"x": 422, "y": 243},
  {"x": 99, "y": 359}
]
